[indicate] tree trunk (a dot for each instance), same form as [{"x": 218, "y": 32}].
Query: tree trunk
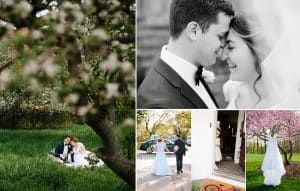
[
  {"x": 290, "y": 150},
  {"x": 257, "y": 146},
  {"x": 104, "y": 125},
  {"x": 286, "y": 161}
]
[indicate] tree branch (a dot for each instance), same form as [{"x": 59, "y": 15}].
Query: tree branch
[{"x": 6, "y": 65}]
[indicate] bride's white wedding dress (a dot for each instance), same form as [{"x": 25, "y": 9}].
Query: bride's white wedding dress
[
  {"x": 231, "y": 91},
  {"x": 272, "y": 166},
  {"x": 160, "y": 165},
  {"x": 79, "y": 157}
]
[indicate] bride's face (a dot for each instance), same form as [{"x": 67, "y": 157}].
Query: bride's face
[
  {"x": 239, "y": 58},
  {"x": 73, "y": 143}
]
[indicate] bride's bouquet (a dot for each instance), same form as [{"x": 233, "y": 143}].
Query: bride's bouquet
[
  {"x": 92, "y": 158},
  {"x": 175, "y": 149}
]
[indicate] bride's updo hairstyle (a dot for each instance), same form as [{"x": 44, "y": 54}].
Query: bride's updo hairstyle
[
  {"x": 249, "y": 31},
  {"x": 74, "y": 139}
]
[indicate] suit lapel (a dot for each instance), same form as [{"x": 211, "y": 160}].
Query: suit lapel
[
  {"x": 209, "y": 92},
  {"x": 173, "y": 78},
  {"x": 191, "y": 95}
]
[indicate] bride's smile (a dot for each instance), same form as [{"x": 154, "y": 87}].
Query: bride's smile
[{"x": 240, "y": 58}]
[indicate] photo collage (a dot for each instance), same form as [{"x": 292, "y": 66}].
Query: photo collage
[{"x": 149, "y": 95}]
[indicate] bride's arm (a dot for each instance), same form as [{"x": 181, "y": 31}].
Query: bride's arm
[
  {"x": 166, "y": 148},
  {"x": 82, "y": 149}
]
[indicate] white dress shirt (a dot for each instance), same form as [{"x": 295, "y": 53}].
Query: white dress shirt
[
  {"x": 65, "y": 149},
  {"x": 186, "y": 71}
]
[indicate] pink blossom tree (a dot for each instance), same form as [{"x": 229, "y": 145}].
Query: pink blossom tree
[{"x": 284, "y": 124}]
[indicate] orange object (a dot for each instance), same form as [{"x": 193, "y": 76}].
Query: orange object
[{"x": 214, "y": 185}]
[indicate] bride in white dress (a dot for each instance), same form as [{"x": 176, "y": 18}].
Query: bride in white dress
[
  {"x": 79, "y": 152},
  {"x": 160, "y": 165},
  {"x": 244, "y": 56},
  {"x": 272, "y": 166},
  {"x": 218, "y": 145},
  {"x": 264, "y": 70}
]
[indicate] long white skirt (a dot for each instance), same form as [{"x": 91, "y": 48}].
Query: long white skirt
[
  {"x": 273, "y": 165},
  {"x": 160, "y": 165}
]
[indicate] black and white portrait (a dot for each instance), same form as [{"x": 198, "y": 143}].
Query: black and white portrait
[{"x": 218, "y": 54}]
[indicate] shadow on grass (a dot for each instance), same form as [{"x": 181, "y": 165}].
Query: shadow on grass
[{"x": 263, "y": 188}]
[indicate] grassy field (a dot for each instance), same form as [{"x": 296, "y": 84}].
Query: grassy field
[
  {"x": 255, "y": 178},
  {"x": 24, "y": 164}
]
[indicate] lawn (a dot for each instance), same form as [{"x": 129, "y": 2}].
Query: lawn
[
  {"x": 255, "y": 178},
  {"x": 25, "y": 165}
]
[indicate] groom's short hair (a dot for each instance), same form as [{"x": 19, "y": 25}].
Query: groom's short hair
[{"x": 204, "y": 12}]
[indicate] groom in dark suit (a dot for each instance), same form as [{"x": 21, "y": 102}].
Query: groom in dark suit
[
  {"x": 63, "y": 149},
  {"x": 198, "y": 30},
  {"x": 179, "y": 150}
]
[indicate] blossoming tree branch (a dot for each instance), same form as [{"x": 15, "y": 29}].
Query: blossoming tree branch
[
  {"x": 285, "y": 125},
  {"x": 84, "y": 52}
]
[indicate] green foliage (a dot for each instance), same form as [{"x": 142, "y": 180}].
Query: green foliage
[
  {"x": 127, "y": 139},
  {"x": 162, "y": 122},
  {"x": 195, "y": 185},
  {"x": 19, "y": 110},
  {"x": 86, "y": 50},
  {"x": 183, "y": 119},
  {"x": 24, "y": 164}
]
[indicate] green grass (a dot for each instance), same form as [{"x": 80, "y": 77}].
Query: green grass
[
  {"x": 196, "y": 185},
  {"x": 25, "y": 165},
  {"x": 255, "y": 178}
]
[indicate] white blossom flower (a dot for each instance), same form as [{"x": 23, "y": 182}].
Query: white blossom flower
[
  {"x": 100, "y": 33},
  {"x": 128, "y": 122},
  {"x": 132, "y": 92},
  {"x": 83, "y": 110},
  {"x": 34, "y": 85},
  {"x": 31, "y": 68},
  {"x": 23, "y": 9},
  {"x": 8, "y": 3},
  {"x": 132, "y": 7},
  {"x": 42, "y": 13},
  {"x": 112, "y": 90},
  {"x": 67, "y": 5},
  {"x": 115, "y": 43},
  {"x": 36, "y": 34},
  {"x": 49, "y": 67},
  {"x": 59, "y": 28},
  {"x": 53, "y": 3},
  {"x": 72, "y": 98},
  {"x": 111, "y": 63},
  {"x": 126, "y": 66},
  {"x": 85, "y": 77},
  {"x": 5, "y": 78},
  {"x": 79, "y": 16},
  {"x": 124, "y": 46},
  {"x": 103, "y": 13}
]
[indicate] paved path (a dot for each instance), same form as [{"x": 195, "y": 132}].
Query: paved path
[{"x": 146, "y": 181}]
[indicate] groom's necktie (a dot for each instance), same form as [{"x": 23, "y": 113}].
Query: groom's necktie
[
  {"x": 198, "y": 75},
  {"x": 198, "y": 78}
]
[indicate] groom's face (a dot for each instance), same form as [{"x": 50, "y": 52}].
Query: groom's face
[
  {"x": 211, "y": 42},
  {"x": 67, "y": 140}
]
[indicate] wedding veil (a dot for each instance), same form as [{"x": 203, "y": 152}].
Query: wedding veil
[{"x": 280, "y": 22}]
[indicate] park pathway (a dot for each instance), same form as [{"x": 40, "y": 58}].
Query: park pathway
[{"x": 146, "y": 181}]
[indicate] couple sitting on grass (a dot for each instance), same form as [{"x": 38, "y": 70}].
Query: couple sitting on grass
[{"x": 73, "y": 153}]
